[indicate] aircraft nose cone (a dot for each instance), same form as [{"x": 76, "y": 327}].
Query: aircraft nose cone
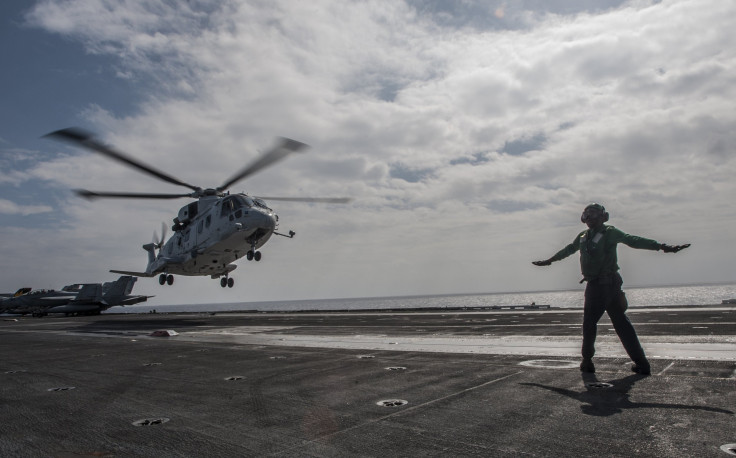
[
  {"x": 271, "y": 222},
  {"x": 266, "y": 221}
]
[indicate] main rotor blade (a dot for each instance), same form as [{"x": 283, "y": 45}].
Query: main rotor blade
[
  {"x": 324, "y": 200},
  {"x": 126, "y": 195},
  {"x": 285, "y": 147},
  {"x": 80, "y": 137}
]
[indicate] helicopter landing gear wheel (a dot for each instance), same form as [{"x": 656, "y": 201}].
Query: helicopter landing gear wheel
[
  {"x": 251, "y": 255},
  {"x": 162, "y": 279},
  {"x": 230, "y": 282},
  {"x": 170, "y": 280},
  {"x": 223, "y": 282},
  {"x": 227, "y": 282}
]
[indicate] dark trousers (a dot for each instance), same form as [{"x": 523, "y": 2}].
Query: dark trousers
[{"x": 603, "y": 295}]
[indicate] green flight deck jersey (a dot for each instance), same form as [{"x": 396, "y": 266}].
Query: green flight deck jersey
[{"x": 598, "y": 250}]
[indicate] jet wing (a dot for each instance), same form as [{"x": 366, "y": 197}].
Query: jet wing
[{"x": 41, "y": 300}]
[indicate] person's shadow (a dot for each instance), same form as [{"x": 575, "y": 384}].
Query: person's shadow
[{"x": 603, "y": 399}]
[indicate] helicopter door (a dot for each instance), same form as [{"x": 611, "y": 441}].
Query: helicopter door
[{"x": 204, "y": 230}]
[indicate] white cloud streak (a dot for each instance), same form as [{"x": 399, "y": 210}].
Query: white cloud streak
[{"x": 11, "y": 208}]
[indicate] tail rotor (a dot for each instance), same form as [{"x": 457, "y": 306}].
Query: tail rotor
[{"x": 159, "y": 243}]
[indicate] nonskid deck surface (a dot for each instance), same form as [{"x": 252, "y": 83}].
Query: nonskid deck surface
[{"x": 365, "y": 384}]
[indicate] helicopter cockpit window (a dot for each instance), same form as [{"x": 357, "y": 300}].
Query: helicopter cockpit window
[
  {"x": 261, "y": 203},
  {"x": 247, "y": 201},
  {"x": 208, "y": 221},
  {"x": 227, "y": 207},
  {"x": 232, "y": 203},
  {"x": 200, "y": 226}
]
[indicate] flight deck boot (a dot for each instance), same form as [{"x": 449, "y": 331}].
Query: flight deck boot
[
  {"x": 587, "y": 365},
  {"x": 642, "y": 368}
]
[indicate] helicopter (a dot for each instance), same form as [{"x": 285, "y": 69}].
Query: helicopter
[{"x": 212, "y": 232}]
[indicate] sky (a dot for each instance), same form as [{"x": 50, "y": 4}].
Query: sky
[{"x": 470, "y": 134}]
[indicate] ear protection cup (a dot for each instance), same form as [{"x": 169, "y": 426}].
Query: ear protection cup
[{"x": 598, "y": 207}]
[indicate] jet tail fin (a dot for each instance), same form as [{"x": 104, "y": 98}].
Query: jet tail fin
[
  {"x": 21, "y": 292},
  {"x": 117, "y": 290},
  {"x": 89, "y": 293}
]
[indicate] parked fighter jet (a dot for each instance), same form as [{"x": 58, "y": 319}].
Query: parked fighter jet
[
  {"x": 78, "y": 299},
  {"x": 38, "y": 300},
  {"x": 20, "y": 292}
]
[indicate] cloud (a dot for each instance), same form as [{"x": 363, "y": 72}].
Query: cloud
[
  {"x": 10, "y": 208},
  {"x": 470, "y": 139}
]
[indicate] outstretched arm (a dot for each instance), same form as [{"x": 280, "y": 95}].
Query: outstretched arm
[
  {"x": 635, "y": 241},
  {"x": 562, "y": 254}
]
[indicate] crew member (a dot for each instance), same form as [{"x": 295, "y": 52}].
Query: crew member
[{"x": 599, "y": 265}]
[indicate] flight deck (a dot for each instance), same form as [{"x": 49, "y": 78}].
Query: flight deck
[{"x": 368, "y": 383}]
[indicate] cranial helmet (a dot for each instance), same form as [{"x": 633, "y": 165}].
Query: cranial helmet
[{"x": 594, "y": 208}]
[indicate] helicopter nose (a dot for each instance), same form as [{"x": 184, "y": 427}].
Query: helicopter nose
[
  {"x": 266, "y": 221},
  {"x": 271, "y": 222}
]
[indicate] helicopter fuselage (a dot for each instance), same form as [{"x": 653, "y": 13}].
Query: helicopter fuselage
[
  {"x": 211, "y": 234},
  {"x": 224, "y": 232}
]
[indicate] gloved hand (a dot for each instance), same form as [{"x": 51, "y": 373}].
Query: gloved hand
[
  {"x": 673, "y": 249},
  {"x": 542, "y": 263}
]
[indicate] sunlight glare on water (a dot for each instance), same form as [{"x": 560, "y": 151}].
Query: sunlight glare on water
[{"x": 638, "y": 297}]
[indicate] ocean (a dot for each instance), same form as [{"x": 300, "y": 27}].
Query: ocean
[{"x": 638, "y": 297}]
